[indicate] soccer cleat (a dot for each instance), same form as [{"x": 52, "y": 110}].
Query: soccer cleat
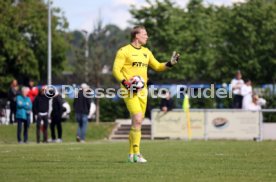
[
  {"x": 130, "y": 158},
  {"x": 139, "y": 158}
]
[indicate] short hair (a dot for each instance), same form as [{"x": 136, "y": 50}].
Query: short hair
[
  {"x": 238, "y": 72},
  {"x": 135, "y": 30},
  {"x": 25, "y": 89},
  {"x": 84, "y": 86},
  {"x": 14, "y": 80}
]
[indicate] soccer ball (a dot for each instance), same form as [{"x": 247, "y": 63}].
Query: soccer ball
[{"x": 138, "y": 83}]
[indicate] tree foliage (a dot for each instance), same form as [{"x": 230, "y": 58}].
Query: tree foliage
[
  {"x": 250, "y": 40},
  {"x": 213, "y": 41},
  {"x": 103, "y": 42},
  {"x": 23, "y": 41}
]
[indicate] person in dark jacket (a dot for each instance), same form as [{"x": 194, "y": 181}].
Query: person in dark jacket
[
  {"x": 12, "y": 93},
  {"x": 41, "y": 109},
  {"x": 56, "y": 117},
  {"x": 23, "y": 109},
  {"x": 82, "y": 107},
  {"x": 166, "y": 103}
]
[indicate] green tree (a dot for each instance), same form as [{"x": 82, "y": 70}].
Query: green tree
[
  {"x": 191, "y": 32},
  {"x": 214, "y": 41},
  {"x": 23, "y": 40},
  {"x": 250, "y": 40},
  {"x": 103, "y": 42},
  {"x": 200, "y": 39}
]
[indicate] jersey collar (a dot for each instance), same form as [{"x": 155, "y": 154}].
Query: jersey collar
[{"x": 135, "y": 47}]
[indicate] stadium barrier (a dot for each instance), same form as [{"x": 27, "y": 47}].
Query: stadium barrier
[{"x": 207, "y": 124}]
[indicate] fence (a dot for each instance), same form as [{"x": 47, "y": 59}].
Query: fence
[{"x": 209, "y": 124}]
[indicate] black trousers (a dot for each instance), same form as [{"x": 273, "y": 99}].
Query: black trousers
[
  {"x": 25, "y": 124},
  {"x": 56, "y": 122},
  {"x": 12, "y": 113},
  {"x": 237, "y": 102},
  {"x": 44, "y": 128}
]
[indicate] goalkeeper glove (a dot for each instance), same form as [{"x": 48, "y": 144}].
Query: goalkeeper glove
[
  {"x": 174, "y": 59},
  {"x": 126, "y": 84}
]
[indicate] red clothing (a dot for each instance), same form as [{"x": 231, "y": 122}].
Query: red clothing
[{"x": 33, "y": 93}]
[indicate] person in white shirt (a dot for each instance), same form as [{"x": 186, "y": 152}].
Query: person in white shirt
[
  {"x": 246, "y": 92},
  {"x": 236, "y": 85},
  {"x": 256, "y": 103}
]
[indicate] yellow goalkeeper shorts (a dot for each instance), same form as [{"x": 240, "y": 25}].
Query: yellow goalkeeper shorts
[{"x": 137, "y": 102}]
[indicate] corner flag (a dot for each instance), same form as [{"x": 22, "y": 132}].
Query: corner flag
[{"x": 186, "y": 108}]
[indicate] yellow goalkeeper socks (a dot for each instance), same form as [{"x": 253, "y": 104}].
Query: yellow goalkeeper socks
[
  {"x": 130, "y": 143},
  {"x": 135, "y": 135}
]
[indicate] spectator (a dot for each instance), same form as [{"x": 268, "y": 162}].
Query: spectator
[
  {"x": 33, "y": 91},
  {"x": 82, "y": 106},
  {"x": 246, "y": 92},
  {"x": 256, "y": 103},
  {"x": 56, "y": 117},
  {"x": 32, "y": 95},
  {"x": 12, "y": 93},
  {"x": 23, "y": 108},
  {"x": 167, "y": 102},
  {"x": 183, "y": 90},
  {"x": 41, "y": 109},
  {"x": 236, "y": 85}
]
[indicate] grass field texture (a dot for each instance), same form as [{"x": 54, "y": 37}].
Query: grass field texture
[
  {"x": 214, "y": 161},
  {"x": 94, "y": 132}
]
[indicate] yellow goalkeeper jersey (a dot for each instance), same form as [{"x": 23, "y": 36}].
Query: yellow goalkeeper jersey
[{"x": 131, "y": 61}]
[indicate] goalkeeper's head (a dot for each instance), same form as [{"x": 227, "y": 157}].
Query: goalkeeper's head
[{"x": 139, "y": 35}]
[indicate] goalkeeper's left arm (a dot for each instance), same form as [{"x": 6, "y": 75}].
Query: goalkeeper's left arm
[
  {"x": 157, "y": 66},
  {"x": 174, "y": 59}
]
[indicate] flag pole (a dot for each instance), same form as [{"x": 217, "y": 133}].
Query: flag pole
[
  {"x": 49, "y": 80},
  {"x": 186, "y": 108}
]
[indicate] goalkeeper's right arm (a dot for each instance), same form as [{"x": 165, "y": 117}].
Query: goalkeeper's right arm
[
  {"x": 117, "y": 66},
  {"x": 126, "y": 84}
]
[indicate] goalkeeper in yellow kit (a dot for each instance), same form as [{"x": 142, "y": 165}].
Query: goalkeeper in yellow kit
[{"x": 132, "y": 60}]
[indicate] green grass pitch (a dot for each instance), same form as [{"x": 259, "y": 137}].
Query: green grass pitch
[{"x": 214, "y": 161}]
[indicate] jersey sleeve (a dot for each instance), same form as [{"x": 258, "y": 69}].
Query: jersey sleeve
[
  {"x": 155, "y": 65},
  {"x": 118, "y": 65}
]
